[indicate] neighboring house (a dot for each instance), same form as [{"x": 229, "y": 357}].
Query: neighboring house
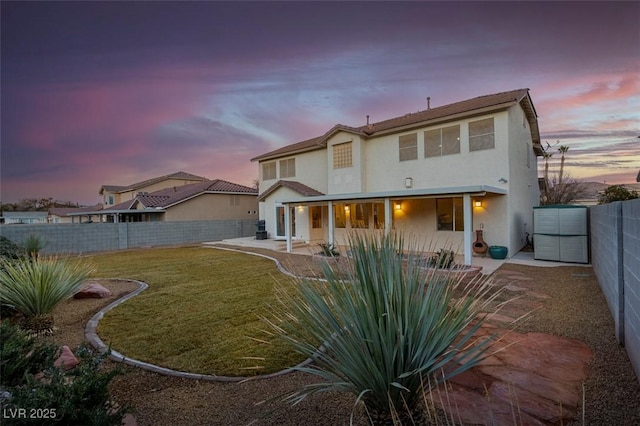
[
  {"x": 70, "y": 214},
  {"x": 115, "y": 194},
  {"x": 24, "y": 217},
  {"x": 207, "y": 200},
  {"x": 437, "y": 174}
]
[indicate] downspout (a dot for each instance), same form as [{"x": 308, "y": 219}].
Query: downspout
[{"x": 468, "y": 225}]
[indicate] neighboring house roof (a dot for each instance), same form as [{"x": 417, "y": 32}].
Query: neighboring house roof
[
  {"x": 64, "y": 211},
  {"x": 435, "y": 115},
  {"x": 298, "y": 187},
  {"x": 168, "y": 197},
  {"x": 145, "y": 183}
]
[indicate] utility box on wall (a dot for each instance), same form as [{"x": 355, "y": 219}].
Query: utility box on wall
[{"x": 561, "y": 233}]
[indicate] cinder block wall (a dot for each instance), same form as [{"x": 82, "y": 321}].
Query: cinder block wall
[
  {"x": 631, "y": 271},
  {"x": 615, "y": 255},
  {"x": 605, "y": 258},
  {"x": 94, "y": 237}
]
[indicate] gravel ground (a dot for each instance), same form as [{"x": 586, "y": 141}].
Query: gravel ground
[{"x": 576, "y": 309}]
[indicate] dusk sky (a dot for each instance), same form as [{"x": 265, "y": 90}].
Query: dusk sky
[{"x": 97, "y": 93}]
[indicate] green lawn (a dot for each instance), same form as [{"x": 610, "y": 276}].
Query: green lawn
[{"x": 200, "y": 313}]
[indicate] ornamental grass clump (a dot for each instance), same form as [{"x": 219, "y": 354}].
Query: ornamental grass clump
[
  {"x": 35, "y": 286},
  {"x": 389, "y": 332}
]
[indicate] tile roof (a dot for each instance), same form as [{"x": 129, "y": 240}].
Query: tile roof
[
  {"x": 438, "y": 114},
  {"x": 298, "y": 187},
  {"x": 168, "y": 197},
  {"x": 63, "y": 211},
  {"x": 142, "y": 184}
]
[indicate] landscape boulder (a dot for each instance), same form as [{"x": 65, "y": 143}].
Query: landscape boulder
[
  {"x": 67, "y": 360},
  {"x": 92, "y": 291}
]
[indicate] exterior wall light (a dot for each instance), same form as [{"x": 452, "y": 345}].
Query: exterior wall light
[
  {"x": 408, "y": 182},
  {"x": 346, "y": 208},
  {"x": 478, "y": 203},
  {"x": 398, "y": 206}
]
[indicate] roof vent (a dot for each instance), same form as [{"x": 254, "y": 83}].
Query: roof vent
[
  {"x": 367, "y": 119},
  {"x": 428, "y": 102}
]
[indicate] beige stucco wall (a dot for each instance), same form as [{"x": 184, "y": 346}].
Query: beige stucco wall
[
  {"x": 523, "y": 178},
  {"x": 465, "y": 168},
  {"x": 268, "y": 209},
  {"x": 347, "y": 180},
  {"x": 311, "y": 170},
  {"x": 212, "y": 207}
]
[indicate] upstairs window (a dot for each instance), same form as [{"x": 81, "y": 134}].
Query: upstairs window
[
  {"x": 269, "y": 170},
  {"x": 342, "y": 155},
  {"x": 481, "y": 135},
  {"x": 288, "y": 168},
  {"x": 408, "y": 147},
  {"x": 443, "y": 141}
]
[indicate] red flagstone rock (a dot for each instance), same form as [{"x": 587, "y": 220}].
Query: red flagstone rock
[
  {"x": 527, "y": 379},
  {"x": 92, "y": 290},
  {"x": 67, "y": 360},
  {"x": 129, "y": 420},
  {"x": 554, "y": 390}
]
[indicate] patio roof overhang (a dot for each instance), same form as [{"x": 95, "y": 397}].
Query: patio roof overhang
[{"x": 473, "y": 190}]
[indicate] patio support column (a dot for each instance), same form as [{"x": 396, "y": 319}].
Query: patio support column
[
  {"x": 287, "y": 227},
  {"x": 331, "y": 223},
  {"x": 388, "y": 216},
  {"x": 468, "y": 224}
]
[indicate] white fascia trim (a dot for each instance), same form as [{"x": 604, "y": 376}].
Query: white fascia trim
[{"x": 426, "y": 192}]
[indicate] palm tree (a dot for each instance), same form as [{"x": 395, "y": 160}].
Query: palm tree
[
  {"x": 547, "y": 156},
  {"x": 562, "y": 150}
]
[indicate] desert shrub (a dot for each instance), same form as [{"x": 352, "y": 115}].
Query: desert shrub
[
  {"x": 617, "y": 193},
  {"x": 327, "y": 249},
  {"x": 9, "y": 250},
  {"x": 35, "y": 286},
  {"x": 22, "y": 354},
  {"x": 442, "y": 259},
  {"x": 389, "y": 331},
  {"x": 77, "y": 397}
]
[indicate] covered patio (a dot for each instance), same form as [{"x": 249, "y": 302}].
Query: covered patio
[{"x": 421, "y": 213}]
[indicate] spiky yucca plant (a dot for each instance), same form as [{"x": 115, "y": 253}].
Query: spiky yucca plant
[
  {"x": 387, "y": 330},
  {"x": 35, "y": 286}
]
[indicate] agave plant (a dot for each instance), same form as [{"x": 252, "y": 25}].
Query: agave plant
[
  {"x": 35, "y": 286},
  {"x": 385, "y": 331}
]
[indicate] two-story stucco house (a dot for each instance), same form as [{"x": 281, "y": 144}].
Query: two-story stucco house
[
  {"x": 436, "y": 175},
  {"x": 116, "y": 194},
  {"x": 207, "y": 200}
]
